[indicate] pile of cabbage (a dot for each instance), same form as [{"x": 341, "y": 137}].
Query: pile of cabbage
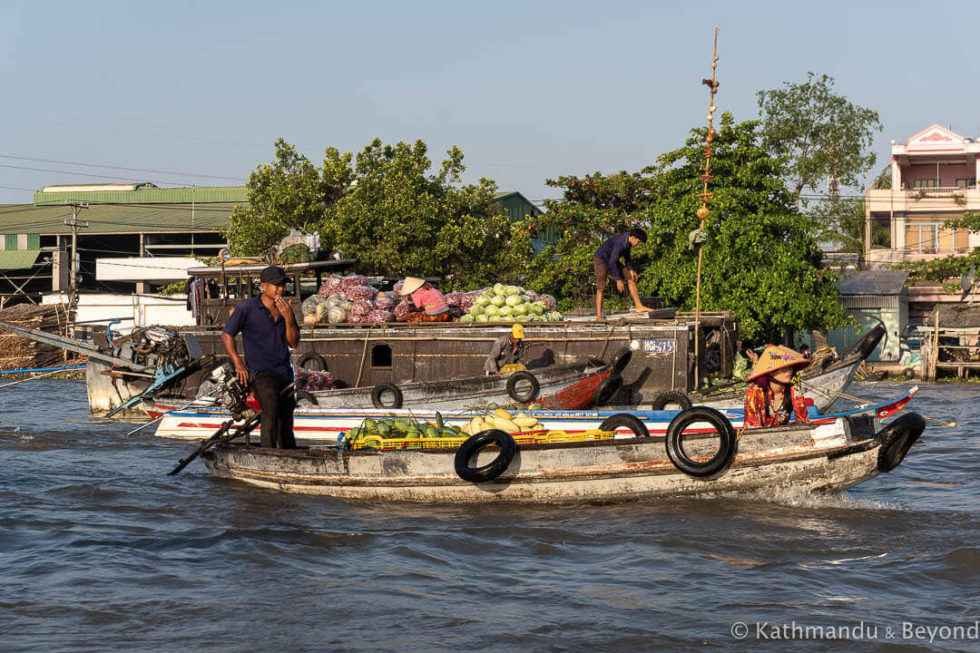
[
  {"x": 348, "y": 300},
  {"x": 501, "y": 303}
]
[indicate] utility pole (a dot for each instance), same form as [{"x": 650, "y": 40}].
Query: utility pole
[{"x": 73, "y": 284}]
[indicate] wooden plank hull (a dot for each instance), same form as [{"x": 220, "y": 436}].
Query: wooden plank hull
[
  {"x": 565, "y": 387},
  {"x": 826, "y": 457}
]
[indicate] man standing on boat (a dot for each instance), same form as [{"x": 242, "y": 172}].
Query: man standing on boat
[
  {"x": 268, "y": 329},
  {"x": 509, "y": 349},
  {"x": 606, "y": 263}
]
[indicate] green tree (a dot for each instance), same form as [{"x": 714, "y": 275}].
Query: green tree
[
  {"x": 761, "y": 259},
  {"x": 290, "y": 193},
  {"x": 821, "y": 134},
  {"x": 842, "y": 222},
  {"x": 401, "y": 219},
  {"x": 385, "y": 208}
]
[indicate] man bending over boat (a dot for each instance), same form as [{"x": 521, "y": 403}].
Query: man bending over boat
[
  {"x": 606, "y": 263},
  {"x": 771, "y": 399},
  {"x": 509, "y": 349},
  {"x": 268, "y": 329}
]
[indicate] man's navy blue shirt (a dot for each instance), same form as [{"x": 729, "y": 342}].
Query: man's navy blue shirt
[
  {"x": 612, "y": 249},
  {"x": 263, "y": 339}
]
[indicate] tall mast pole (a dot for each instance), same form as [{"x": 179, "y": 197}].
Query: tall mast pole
[{"x": 705, "y": 196}]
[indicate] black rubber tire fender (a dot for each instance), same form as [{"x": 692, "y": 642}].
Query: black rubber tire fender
[
  {"x": 607, "y": 389},
  {"x": 517, "y": 395},
  {"x": 661, "y": 399},
  {"x": 476, "y": 443},
  {"x": 675, "y": 447},
  {"x": 621, "y": 359},
  {"x": 379, "y": 391},
  {"x": 319, "y": 363},
  {"x": 897, "y": 438},
  {"x": 308, "y": 397},
  {"x": 632, "y": 422}
]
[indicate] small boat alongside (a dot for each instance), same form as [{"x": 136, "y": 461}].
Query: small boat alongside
[
  {"x": 328, "y": 424},
  {"x": 559, "y": 387},
  {"x": 687, "y": 460},
  {"x": 821, "y": 383}
]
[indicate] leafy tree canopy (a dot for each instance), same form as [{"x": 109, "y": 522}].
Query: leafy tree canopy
[
  {"x": 761, "y": 259},
  {"x": 821, "y": 134},
  {"x": 385, "y": 208},
  {"x": 289, "y": 193}
]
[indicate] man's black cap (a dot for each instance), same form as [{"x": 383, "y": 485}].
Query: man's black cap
[{"x": 273, "y": 274}]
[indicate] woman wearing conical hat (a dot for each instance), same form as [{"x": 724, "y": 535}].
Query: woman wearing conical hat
[
  {"x": 771, "y": 399},
  {"x": 426, "y": 303}
]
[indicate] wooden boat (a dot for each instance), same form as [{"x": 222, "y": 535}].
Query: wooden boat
[
  {"x": 817, "y": 457},
  {"x": 821, "y": 383},
  {"x": 560, "y": 387},
  {"x": 327, "y": 424}
]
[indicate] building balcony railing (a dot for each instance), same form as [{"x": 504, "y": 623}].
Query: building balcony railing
[
  {"x": 937, "y": 198},
  {"x": 938, "y": 191}
]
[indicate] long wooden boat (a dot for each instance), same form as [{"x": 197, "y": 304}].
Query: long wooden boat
[
  {"x": 821, "y": 457},
  {"x": 328, "y": 424},
  {"x": 561, "y": 387},
  {"x": 662, "y": 345}
]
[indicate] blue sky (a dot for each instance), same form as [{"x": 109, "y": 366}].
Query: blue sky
[{"x": 528, "y": 90}]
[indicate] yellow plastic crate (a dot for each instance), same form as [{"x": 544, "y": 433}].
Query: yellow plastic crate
[{"x": 526, "y": 437}]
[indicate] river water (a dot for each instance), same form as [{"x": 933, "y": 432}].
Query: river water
[{"x": 100, "y": 550}]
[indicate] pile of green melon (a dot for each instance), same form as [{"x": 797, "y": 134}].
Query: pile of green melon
[
  {"x": 402, "y": 427},
  {"x": 501, "y": 303}
]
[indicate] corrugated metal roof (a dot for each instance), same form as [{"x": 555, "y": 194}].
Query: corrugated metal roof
[
  {"x": 142, "y": 195},
  {"x": 109, "y": 218},
  {"x": 18, "y": 259},
  {"x": 874, "y": 282}
]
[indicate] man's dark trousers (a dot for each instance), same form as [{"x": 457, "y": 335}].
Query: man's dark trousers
[{"x": 277, "y": 411}]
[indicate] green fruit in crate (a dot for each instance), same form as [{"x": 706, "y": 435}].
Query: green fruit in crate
[
  {"x": 370, "y": 425},
  {"x": 353, "y": 434},
  {"x": 535, "y": 406},
  {"x": 439, "y": 423},
  {"x": 383, "y": 429},
  {"x": 492, "y": 406},
  {"x": 448, "y": 433},
  {"x": 403, "y": 424},
  {"x": 431, "y": 432}
]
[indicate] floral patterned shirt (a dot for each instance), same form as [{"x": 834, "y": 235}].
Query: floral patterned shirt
[{"x": 756, "y": 415}]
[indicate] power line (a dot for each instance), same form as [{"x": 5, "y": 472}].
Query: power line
[
  {"x": 99, "y": 165},
  {"x": 90, "y": 174}
]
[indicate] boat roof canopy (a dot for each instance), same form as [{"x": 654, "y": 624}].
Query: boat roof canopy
[{"x": 255, "y": 269}]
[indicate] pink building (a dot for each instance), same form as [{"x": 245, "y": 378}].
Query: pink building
[{"x": 934, "y": 178}]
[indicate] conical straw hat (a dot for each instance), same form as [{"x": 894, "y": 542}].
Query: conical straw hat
[
  {"x": 411, "y": 284},
  {"x": 776, "y": 357}
]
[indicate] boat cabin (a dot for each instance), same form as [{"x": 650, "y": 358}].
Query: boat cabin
[{"x": 216, "y": 290}]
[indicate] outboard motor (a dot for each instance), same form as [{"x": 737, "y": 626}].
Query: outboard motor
[{"x": 232, "y": 395}]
